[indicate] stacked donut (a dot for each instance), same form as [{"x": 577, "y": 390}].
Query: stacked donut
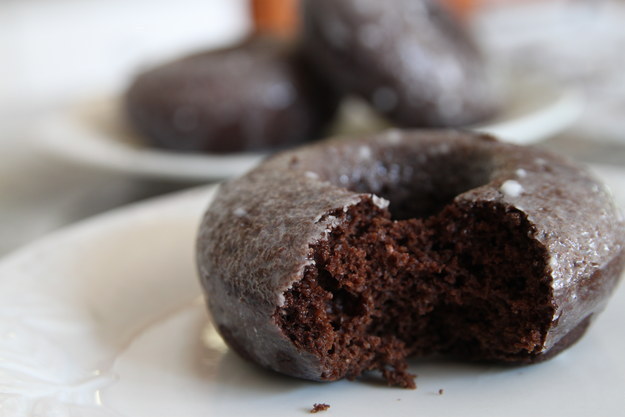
[{"x": 411, "y": 60}]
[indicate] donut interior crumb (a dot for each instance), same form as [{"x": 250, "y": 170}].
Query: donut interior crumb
[
  {"x": 461, "y": 281},
  {"x": 319, "y": 407}
]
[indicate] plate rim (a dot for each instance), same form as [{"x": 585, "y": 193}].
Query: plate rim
[
  {"x": 562, "y": 109},
  {"x": 84, "y": 226}
]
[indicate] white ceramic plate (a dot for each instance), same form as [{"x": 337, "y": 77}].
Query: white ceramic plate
[
  {"x": 93, "y": 133},
  {"x": 106, "y": 319}
]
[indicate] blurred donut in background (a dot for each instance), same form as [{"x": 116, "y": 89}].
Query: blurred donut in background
[
  {"x": 257, "y": 95},
  {"x": 413, "y": 61}
]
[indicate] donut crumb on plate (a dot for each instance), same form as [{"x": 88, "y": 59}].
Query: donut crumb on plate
[{"x": 319, "y": 407}]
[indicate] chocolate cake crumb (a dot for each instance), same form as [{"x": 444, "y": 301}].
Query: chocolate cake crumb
[
  {"x": 319, "y": 407},
  {"x": 381, "y": 290}
]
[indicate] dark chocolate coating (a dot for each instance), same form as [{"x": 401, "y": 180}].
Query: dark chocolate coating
[
  {"x": 410, "y": 59},
  {"x": 253, "y": 96},
  {"x": 256, "y": 237}
]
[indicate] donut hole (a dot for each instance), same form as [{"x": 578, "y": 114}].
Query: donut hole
[
  {"x": 468, "y": 282},
  {"x": 417, "y": 184},
  {"x": 426, "y": 189}
]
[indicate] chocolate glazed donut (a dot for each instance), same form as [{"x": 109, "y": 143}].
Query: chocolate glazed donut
[
  {"x": 351, "y": 255},
  {"x": 411, "y": 59},
  {"x": 256, "y": 95}
]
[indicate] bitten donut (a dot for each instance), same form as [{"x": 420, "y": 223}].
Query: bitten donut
[
  {"x": 253, "y": 96},
  {"x": 413, "y": 61},
  {"x": 354, "y": 254}
]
